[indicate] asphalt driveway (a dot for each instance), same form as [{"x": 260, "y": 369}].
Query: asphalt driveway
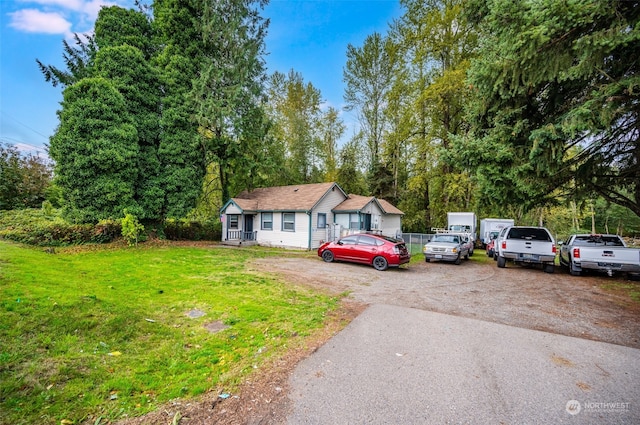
[
  {"x": 398, "y": 365},
  {"x": 469, "y": 344}
]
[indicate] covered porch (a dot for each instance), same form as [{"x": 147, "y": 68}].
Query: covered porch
[{"x": 239, "y": 230}]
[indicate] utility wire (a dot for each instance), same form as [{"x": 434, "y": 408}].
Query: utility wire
[{"x": 24, "y": 125}]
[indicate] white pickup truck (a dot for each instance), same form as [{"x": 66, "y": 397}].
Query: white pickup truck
[
  {"x": 606, "y": 253},
  {"x": 530, "y": 245}
]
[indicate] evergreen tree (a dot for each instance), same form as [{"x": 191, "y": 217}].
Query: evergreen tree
[
  {"x": 229, "y": 90},
  {"x": 95, "y": 149},
  {"x": 553, "y": 76}
]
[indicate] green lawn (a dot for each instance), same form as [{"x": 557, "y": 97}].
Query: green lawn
[{"x": 91, "y": 334}]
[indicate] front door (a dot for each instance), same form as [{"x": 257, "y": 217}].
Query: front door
[
  {"x": 248, "y": 227},
  {"x": 367, "y": 221}
]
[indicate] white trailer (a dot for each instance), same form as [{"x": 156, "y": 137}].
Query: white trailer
[
  {"x": 462, "y": 222},
  {"x": 493, "y": 225}
]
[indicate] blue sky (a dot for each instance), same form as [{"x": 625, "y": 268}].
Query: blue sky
[{"x": 309, "y": 36}]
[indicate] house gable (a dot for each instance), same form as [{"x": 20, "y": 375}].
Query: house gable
[{"x": 359, "y": 213}]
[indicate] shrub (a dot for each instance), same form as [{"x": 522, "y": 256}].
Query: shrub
[
  {"x": 192, "y": 230},
  {"x": 131, "y": 229},
  {"x": 44, "y": 227}
]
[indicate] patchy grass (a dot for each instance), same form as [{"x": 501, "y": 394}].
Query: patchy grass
[
  {"x": 96, "y": 333},
  {"x": 480, "y": 256},
  {"x": 631, "y": 289}
]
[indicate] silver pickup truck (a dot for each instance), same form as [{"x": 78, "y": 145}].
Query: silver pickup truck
[
  {"x": 446, "y": 247},
  {"x": 606, "y": 253},
  {"x": 529, "y": 245}
]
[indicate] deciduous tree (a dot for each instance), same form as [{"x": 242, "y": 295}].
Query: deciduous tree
[{"x": 24, "y": 180}]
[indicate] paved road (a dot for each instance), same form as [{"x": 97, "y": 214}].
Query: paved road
[{"x": 398, "y": 365}]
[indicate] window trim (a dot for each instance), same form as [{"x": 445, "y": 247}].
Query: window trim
[
  {"x": 324, "y": 215},
  {"x": 358, "y": 222},
  {"x": 284, "y": 222},
  {"x": 232, "y": 218},
  {"x": 263, "y": 220}
]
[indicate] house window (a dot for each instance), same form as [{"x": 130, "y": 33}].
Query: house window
[
  {"x": 233, "y": 221},
  {"x": 267, "y": 221},
  {"x": 322, "y": 220},
  {"x": 354, "y": 221},
  {"x": 289, "y": 222}
]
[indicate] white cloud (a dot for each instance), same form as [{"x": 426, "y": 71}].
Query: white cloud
[
  {"x": 91, "y": 8},
  {"x": 32, "y": 20},
  {"x": 58, "y": 16}
]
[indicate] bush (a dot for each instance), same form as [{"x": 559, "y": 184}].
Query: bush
[
  {"x": 177, "y": 230},
  {"x": 131, "y": 229},
  {"x": 44, "y": 227}
]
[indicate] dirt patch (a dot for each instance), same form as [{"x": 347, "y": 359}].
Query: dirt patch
[
  {"x": 524, "y": 297},
  {"x": 215, "y": 327},
  {"x": 515, "y": 296}
]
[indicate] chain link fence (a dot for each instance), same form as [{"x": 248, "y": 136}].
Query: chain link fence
[{"x": 415, "y": 241}]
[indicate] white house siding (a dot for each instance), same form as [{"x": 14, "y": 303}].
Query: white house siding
[
  {"x": 329, "y": 201},
  {"x": 298, "y": 239},
  {"x": 233, "y": 209},
  {"x": 342, "y": 220},
  {"x": 387, "y": 224},
  {"x": 392, "y": 225},
  {"x": 376, "y": 215}
]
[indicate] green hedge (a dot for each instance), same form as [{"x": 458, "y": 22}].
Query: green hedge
[
  {"x": 35, "y": 227},
  {"x": 44, "y": 227},
  {"x": 181, "y": 230}
]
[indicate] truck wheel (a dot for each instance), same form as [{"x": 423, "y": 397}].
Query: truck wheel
[
  {"x": 471, "y": 253},
  {"x": 502, "y": 262},
  {"x": 572, "y": 269},
  {"x": 548, "y": 268},
  {"x": 426, "y": 260},
  {"x": 458, "y": 261}
]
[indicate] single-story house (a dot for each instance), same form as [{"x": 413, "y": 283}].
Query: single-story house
[{"x": 304, "y": 216}]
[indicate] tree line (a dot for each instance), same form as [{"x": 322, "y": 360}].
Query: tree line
[{"x": 506, "y": 108}]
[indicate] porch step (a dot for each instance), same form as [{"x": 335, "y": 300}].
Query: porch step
[{"x": 239, "y": 243}]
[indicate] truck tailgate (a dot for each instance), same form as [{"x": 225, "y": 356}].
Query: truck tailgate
[
  {"x": 619, "y": 255},
  {"x": 529, "y": 247}
]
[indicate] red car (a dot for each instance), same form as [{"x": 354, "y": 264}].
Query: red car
[
  {"x": 491, "y": 248},
  {"x": 379, "y": 251}
]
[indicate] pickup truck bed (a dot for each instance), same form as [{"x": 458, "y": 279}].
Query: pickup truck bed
[
  {"x": 605, "y": 253},
  {"x": 532, "y": 245}
]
